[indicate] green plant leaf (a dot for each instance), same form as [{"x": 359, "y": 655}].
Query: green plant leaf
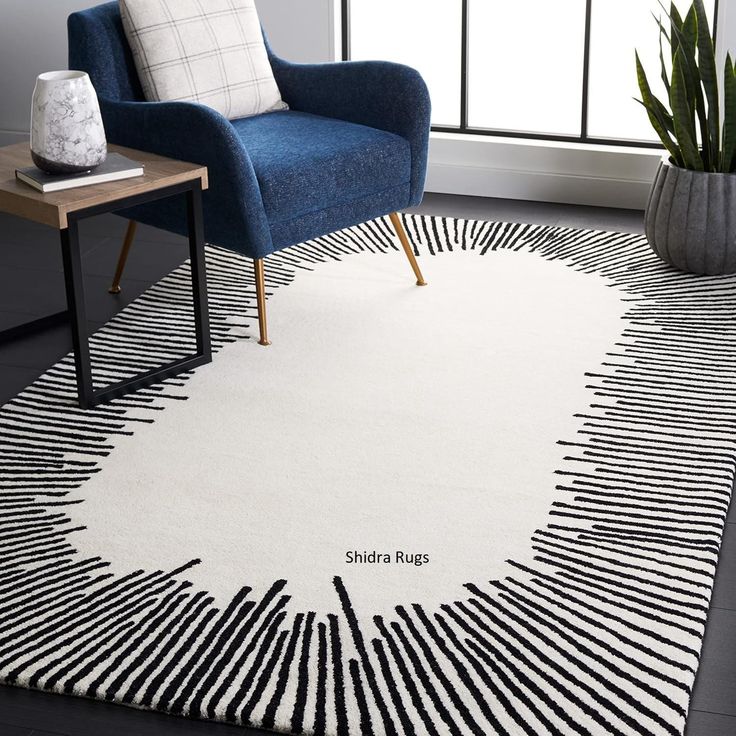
[
  {"x": 665, "y": 78},
  {"x": 682, "y": 116},
  {"x": 707, "y": 67},
  {"x": 689, "y": 39},
  {"x": 675, "y": 24},
  {"x": 728, "y": 155},
  {"x": 663, "y": 114},
  {"x": 694, "y": 86},
  {"x": 660, "y": 112},
  {"x": 732, "y": 123},
  {"x": 662, "y": 29},
  {"x": 690, "y": 29},
  {"x": 687, "y": 45},
  {"x": 653, "y": 110}
]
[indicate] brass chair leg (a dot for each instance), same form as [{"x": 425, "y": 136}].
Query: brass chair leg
[
  {"x": 396, "y": 222},
  {"x": 261, "y": 300},
  {"x": 123, "y": 257}
]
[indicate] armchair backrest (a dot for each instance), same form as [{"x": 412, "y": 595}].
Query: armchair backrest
[{"x": 97, "y": 45}]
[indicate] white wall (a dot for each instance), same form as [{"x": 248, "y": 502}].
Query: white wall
[
  {"x": 33, "y": 40},
  {"x": 299, "y": 30},
  {"x": 726, "y": 40}
]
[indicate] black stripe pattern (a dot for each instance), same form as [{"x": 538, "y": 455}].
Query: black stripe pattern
[{"x": 599, "y": 634}]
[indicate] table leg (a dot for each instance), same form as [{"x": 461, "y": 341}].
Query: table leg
[
  {"x": 198, "y": 268},
  {"x": 76, "y": 312},
  {"x": 74, "y": 283}
]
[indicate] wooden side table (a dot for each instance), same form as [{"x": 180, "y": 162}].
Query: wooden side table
[{"x": 163, "y": 178}]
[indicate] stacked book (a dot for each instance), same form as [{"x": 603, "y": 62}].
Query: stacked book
[{"x": 113, "y": 168}]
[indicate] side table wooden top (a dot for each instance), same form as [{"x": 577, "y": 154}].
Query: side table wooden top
[{"x": 52, "y": 208}]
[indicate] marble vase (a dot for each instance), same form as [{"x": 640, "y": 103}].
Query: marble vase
[{"x": 67, "y": 134}]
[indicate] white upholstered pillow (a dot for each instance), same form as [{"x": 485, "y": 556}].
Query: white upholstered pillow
[{"x": 207, "y": 51}]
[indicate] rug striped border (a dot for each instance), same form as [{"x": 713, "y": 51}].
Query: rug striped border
[{"x": 600, "y": 635}]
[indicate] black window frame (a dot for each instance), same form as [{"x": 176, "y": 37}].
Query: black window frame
[{"x": 584, "y": 137}]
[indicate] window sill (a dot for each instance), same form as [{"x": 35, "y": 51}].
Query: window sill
[
  {"x": 541, "y": 143},
  {"x": 551, "y": 171}
]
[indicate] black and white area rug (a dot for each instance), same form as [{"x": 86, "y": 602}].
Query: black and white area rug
[{"x": 493, "y": 505}]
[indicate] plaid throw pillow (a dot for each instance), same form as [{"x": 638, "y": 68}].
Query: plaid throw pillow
[{"x": 206, "y": 51}]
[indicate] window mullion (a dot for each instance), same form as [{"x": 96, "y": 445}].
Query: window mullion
[
  {"x": 464, "y": 67},
  {"x": 345, "y": 26},
  {"x": 586, "y": 71}
]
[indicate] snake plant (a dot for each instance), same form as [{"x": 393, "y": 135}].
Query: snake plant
[{"x": 690, "y": 127}]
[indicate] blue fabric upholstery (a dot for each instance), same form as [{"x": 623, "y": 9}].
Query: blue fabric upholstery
[
  {"x": 303, "y": 160},
  {"x": 353, "y": 145},
  {"x": 378, "y": 94}
]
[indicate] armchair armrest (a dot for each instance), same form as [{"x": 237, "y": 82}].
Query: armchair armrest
[
  {"x": 380, "y": 94},
  {"x": 234, "y": 213}
]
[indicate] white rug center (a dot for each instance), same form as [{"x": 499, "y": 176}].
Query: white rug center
[{"x": 414, "y": 423}]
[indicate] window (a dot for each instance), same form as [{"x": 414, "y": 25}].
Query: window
[{"x": 559, "y": 70}]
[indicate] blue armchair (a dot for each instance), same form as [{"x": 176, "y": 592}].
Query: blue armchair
[{"x": 352, "y": 146}]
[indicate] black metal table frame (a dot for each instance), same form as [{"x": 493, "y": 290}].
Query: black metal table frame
[{"x": 76, "y": 313}]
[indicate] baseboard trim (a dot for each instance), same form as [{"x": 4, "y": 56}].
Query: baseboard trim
[
  {"x": 485, "y": 166},
  {"x": 8, "y": 137},
  {"x": 540, "y": 186}
]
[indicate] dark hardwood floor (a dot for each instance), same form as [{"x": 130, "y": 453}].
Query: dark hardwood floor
[{"x": 31, "y": 284}]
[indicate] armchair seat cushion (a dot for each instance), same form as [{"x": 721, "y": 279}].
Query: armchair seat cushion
[{"x": 305, "y": 163}]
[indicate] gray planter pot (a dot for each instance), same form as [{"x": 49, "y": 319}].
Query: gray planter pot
[{"x": 690, "y": 219}]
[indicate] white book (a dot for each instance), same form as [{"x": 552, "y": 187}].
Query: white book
[{"x": 113, "y": 168}]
